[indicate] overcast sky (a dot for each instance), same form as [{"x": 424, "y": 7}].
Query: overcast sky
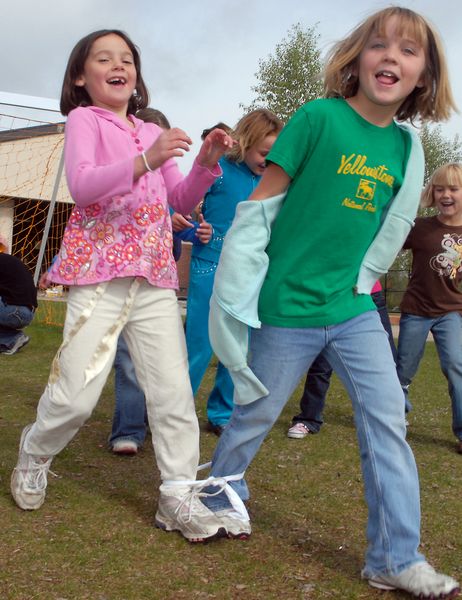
[{"x": 199, "y": 57}]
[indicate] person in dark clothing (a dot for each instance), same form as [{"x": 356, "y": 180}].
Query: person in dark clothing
[{"x": 18, "y": 301}]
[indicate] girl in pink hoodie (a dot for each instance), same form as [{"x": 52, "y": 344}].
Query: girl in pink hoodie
[{"x": 116, "y": 258}]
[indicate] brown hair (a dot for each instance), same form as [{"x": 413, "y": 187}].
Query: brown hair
[
  {"x": 219, "y": 125},
  {"x": 152, "y": 115},
  {"x": 448, "y": 174},
  {"x": 434, "y": 101},
  {"x": 251, "y": 129},
  {"x": 73, "y": 96}
]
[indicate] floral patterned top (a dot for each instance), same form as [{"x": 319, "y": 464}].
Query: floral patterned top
[{"x": 120, "y": 227}]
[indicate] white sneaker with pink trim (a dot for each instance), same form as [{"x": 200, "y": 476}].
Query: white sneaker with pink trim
[{"x": 298, "y": 431}]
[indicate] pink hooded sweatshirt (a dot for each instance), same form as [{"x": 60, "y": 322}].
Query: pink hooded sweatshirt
[{"x": 120, "y": 227}]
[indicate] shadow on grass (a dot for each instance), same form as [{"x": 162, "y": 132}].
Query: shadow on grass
[{"x": 94, "y": 537}]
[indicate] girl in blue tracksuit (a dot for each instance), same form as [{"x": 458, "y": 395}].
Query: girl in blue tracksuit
[{"x": 242, "y": 168}]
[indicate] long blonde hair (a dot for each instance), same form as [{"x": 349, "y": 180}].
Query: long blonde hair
[{"x": 433, "y": 101}]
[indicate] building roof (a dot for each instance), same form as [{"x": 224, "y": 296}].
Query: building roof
[
  {"x": 23, "y": 133},
  {"x": 29, "y": 162}
]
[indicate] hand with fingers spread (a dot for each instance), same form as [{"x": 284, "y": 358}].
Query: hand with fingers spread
[
  {"x": 171, "y": 143},
  {"x": 214, "y": 146}
]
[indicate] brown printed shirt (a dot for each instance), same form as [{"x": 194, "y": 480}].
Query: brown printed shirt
[{"x": 435, "y": 285}]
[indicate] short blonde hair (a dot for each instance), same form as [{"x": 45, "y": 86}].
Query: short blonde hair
[
  {"x": 448, "y": 174},
  {"x": 251, "y": 129},
  {"x": 433, "y": 101}
]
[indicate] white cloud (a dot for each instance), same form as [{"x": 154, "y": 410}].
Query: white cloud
[{"x": 199, "y": 57}]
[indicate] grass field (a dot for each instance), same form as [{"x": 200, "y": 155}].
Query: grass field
[{"x": 94, "y": 537}]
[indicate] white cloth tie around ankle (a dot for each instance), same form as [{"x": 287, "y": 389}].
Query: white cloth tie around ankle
[{"x": 197, "y": 487}]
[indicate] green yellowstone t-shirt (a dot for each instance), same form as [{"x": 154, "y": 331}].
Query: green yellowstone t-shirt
[{"x": 344, "y": 171}]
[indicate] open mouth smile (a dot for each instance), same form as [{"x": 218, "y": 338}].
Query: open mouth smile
[
  {"x": 117, "y": 81},
  {"x": 386, "y": 77}
]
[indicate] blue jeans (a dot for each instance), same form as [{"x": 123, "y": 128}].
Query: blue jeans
[
  {"x": 12, "y": 320},
  {"x": 318, "y": 377},
  {"x": 220, "y": 401},
  {"x": 447, "y": 334},
  {"x": 359, "y": 352},
  {"x": 129, "y": 421}
]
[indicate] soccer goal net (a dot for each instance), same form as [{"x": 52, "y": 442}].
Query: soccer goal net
[{"x": 34, "y": 200}]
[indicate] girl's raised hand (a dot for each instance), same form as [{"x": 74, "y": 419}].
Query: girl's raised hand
[
  {"x": 170, "y": 143},
  {"x": 214, "y": 146}
]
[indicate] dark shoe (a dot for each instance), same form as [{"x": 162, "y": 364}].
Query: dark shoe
[
  {"x": 216, "y": 429},
  {"x": 459, "y": 447}
]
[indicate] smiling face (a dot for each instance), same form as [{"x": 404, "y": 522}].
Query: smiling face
[
  {"x": 448, "y": 201},
  {"x": 390, "y": 67},
  {"x": 255, "y": 157},
  {"x": 109, "y": 74}
]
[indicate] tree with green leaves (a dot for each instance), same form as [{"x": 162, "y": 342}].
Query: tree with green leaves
[
  {"x": 291, "y": 76},
  {"x": 438, "y": 149}
]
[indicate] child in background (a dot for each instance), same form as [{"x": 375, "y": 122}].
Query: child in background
[
  {"x": 341, "y": 190},
  {"x": 116, "y": 258},
  {"x": 130, "y": 417},
  {"x": 242, "y": 168},
  {"x": 313, "y": 400},
  {"x": 433, "y": 299}
]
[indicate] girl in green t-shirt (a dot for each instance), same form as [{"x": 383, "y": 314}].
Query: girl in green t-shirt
[{"x": 352, "y": 178}]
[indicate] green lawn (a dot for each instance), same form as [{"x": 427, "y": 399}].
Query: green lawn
[{"x": 94, "y": 537}]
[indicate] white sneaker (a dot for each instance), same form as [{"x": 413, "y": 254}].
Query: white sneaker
[
  {"x": 235, "y": 525},
  {"x": 188, "y": 515},
  {"x": 29, "y": 477},
  {"x": 298, "y": 431},
  {"x": 21, "y": 341},
  {"x": 421, "y": 580},
  {"x": 125, "y": 447}
]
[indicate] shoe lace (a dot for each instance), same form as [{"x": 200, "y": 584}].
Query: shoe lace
[
  {"x": 191, "y": 499},
  {"x": 36, "y": 474}
]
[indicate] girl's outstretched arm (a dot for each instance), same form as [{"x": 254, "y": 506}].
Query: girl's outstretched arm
[{"x": 273, "y": 182}]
